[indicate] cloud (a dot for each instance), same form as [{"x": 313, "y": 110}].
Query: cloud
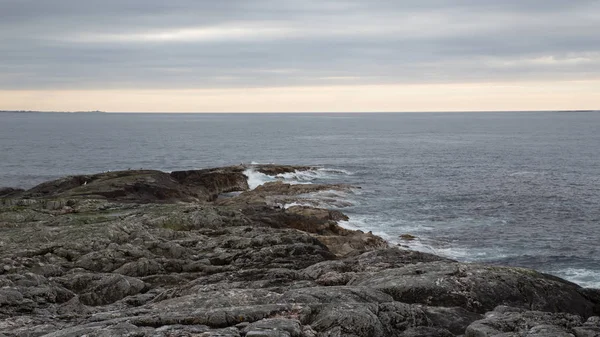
[{"x": 115, "y": 44}]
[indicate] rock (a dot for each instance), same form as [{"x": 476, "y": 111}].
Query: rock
[
  {"x": 373, "y": 261},
  {"x": 132, "y": 185},
  {"x": 73, "y": 307},
  {"x": 320, "y": 222},
  {"x": 273, "y": 170},
  {"x": 213, "y": 182},
  {"x": 333, "y": 278},
  {"x": 140, "y": 268},
  {"x": 9, "y": 192},
  {"x": 478, "y": 288},
  {"x": 452, "y": 319},
  {"x": 144, "y": 185},
  {"x": 408, "y": 237},
  {"x": 424, "y": 331},
  {"x": 325, "y": 295},
  {"x": 317, "y": 215},
  {"x": 10, "y": 297},
  {"x": 226, "y": 298},
  {"x": 278, "y": 193},
  {"x": 591, "y": 328},
  {"x": 353, "y": 243},
  {"x": 149, "y": 253},
  {"x": 274, "y": 327},
  {"x": 109, "y": 288},
  {"x": 349, "y": 319},
  {"x": 524, "y": 323},
  {"x": 594, "y": 296}
]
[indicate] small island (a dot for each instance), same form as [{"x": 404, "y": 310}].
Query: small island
[{"x": 199, "y": 253}]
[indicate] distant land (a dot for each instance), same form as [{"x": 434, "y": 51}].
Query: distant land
[
  {"x": 449, "y": 111},
  {"x": 31, "y": 111}
]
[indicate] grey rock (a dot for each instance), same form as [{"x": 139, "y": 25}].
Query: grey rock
[
  {"x": 274, "y": 327},
  {"x": 111, "y": 288},
  {"x": 148, "y": 253},
  {"x": 477, "y": 288},
  {"x": 424, "y": 331},
  {"x": 346, "y": 319},
  {"x": 524, "y": 323},
  {"x": 10, "y": 192},
  {"x": 334, "y": 295}
]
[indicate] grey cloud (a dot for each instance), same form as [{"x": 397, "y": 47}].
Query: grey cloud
[{"x": 328, "y": 42}]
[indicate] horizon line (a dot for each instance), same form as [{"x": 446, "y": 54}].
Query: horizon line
[{"x": 289, "y": 112}]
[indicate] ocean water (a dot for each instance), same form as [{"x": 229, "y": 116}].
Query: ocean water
[{"x": 507, "y": 188}]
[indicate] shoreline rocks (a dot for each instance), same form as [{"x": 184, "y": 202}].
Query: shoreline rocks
[{"x": 148, "y": 253}]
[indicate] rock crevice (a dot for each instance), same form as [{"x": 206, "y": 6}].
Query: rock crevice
[{"x": 148, "y": 253}]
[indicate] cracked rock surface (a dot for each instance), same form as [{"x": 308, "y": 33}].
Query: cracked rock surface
[{"x": 148, "y": 253}]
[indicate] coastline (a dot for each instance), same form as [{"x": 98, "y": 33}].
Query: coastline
[{"x": 149, "y": 252}]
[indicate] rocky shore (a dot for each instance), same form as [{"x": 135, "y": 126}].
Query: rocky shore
[{"x": 197, "y": 253}]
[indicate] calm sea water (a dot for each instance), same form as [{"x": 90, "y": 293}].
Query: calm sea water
[{"x": 509, "y": 188}]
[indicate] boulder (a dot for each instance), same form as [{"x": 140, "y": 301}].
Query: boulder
[
  {"x": 212, "y": 182},
  {"x": 274, "y": 327},
  {"x": 273, "y": 170},
  {"x": 9, "y": 192},
  {"x": 102, "y": 289},
  {"x": 131, "y": 185},
  {"x": 504, "y": 321},
  {"x": 477, "y": 288}
]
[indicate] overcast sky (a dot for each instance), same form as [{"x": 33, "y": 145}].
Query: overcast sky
[{"x": 63, "y": 53}]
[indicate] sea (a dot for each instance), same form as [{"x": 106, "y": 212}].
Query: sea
[{"x": 505, "y": 188}]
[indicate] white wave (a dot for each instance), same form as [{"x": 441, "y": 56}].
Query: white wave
[
  {"x": 259, "y": 163},
  {"x": 584, "y": 277},
  {"x": 391, "y": 230},
  {"x": 292, "y": 204},
  {"x": 312, "y": 174},
  {"x": 256, "y": 179},
  {"x": 335, "y": 171},
  {"x": 524, "y": 173},
  {"x": 472, "y": 254},
  {"x": 362, "y": 223},
  {"x": 306, "y": 176}
]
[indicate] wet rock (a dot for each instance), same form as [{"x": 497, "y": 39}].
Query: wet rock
[
  {"x": 320, "y": 215},
  {"x": 212, "y": 182},
  {"x": 278, "y": 193},
  {"x": 352, "y": 243},
  {"x": 273, "y": 170},
  {"x": 408, "y": 237}
]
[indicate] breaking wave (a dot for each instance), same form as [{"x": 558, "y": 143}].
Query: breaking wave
[{"x": 256, "y": 178}]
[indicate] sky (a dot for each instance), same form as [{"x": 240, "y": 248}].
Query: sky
[{"x": 299, "y": 55}]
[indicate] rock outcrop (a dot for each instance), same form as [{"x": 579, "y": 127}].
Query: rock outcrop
[{"x": 148, "y": 253}]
